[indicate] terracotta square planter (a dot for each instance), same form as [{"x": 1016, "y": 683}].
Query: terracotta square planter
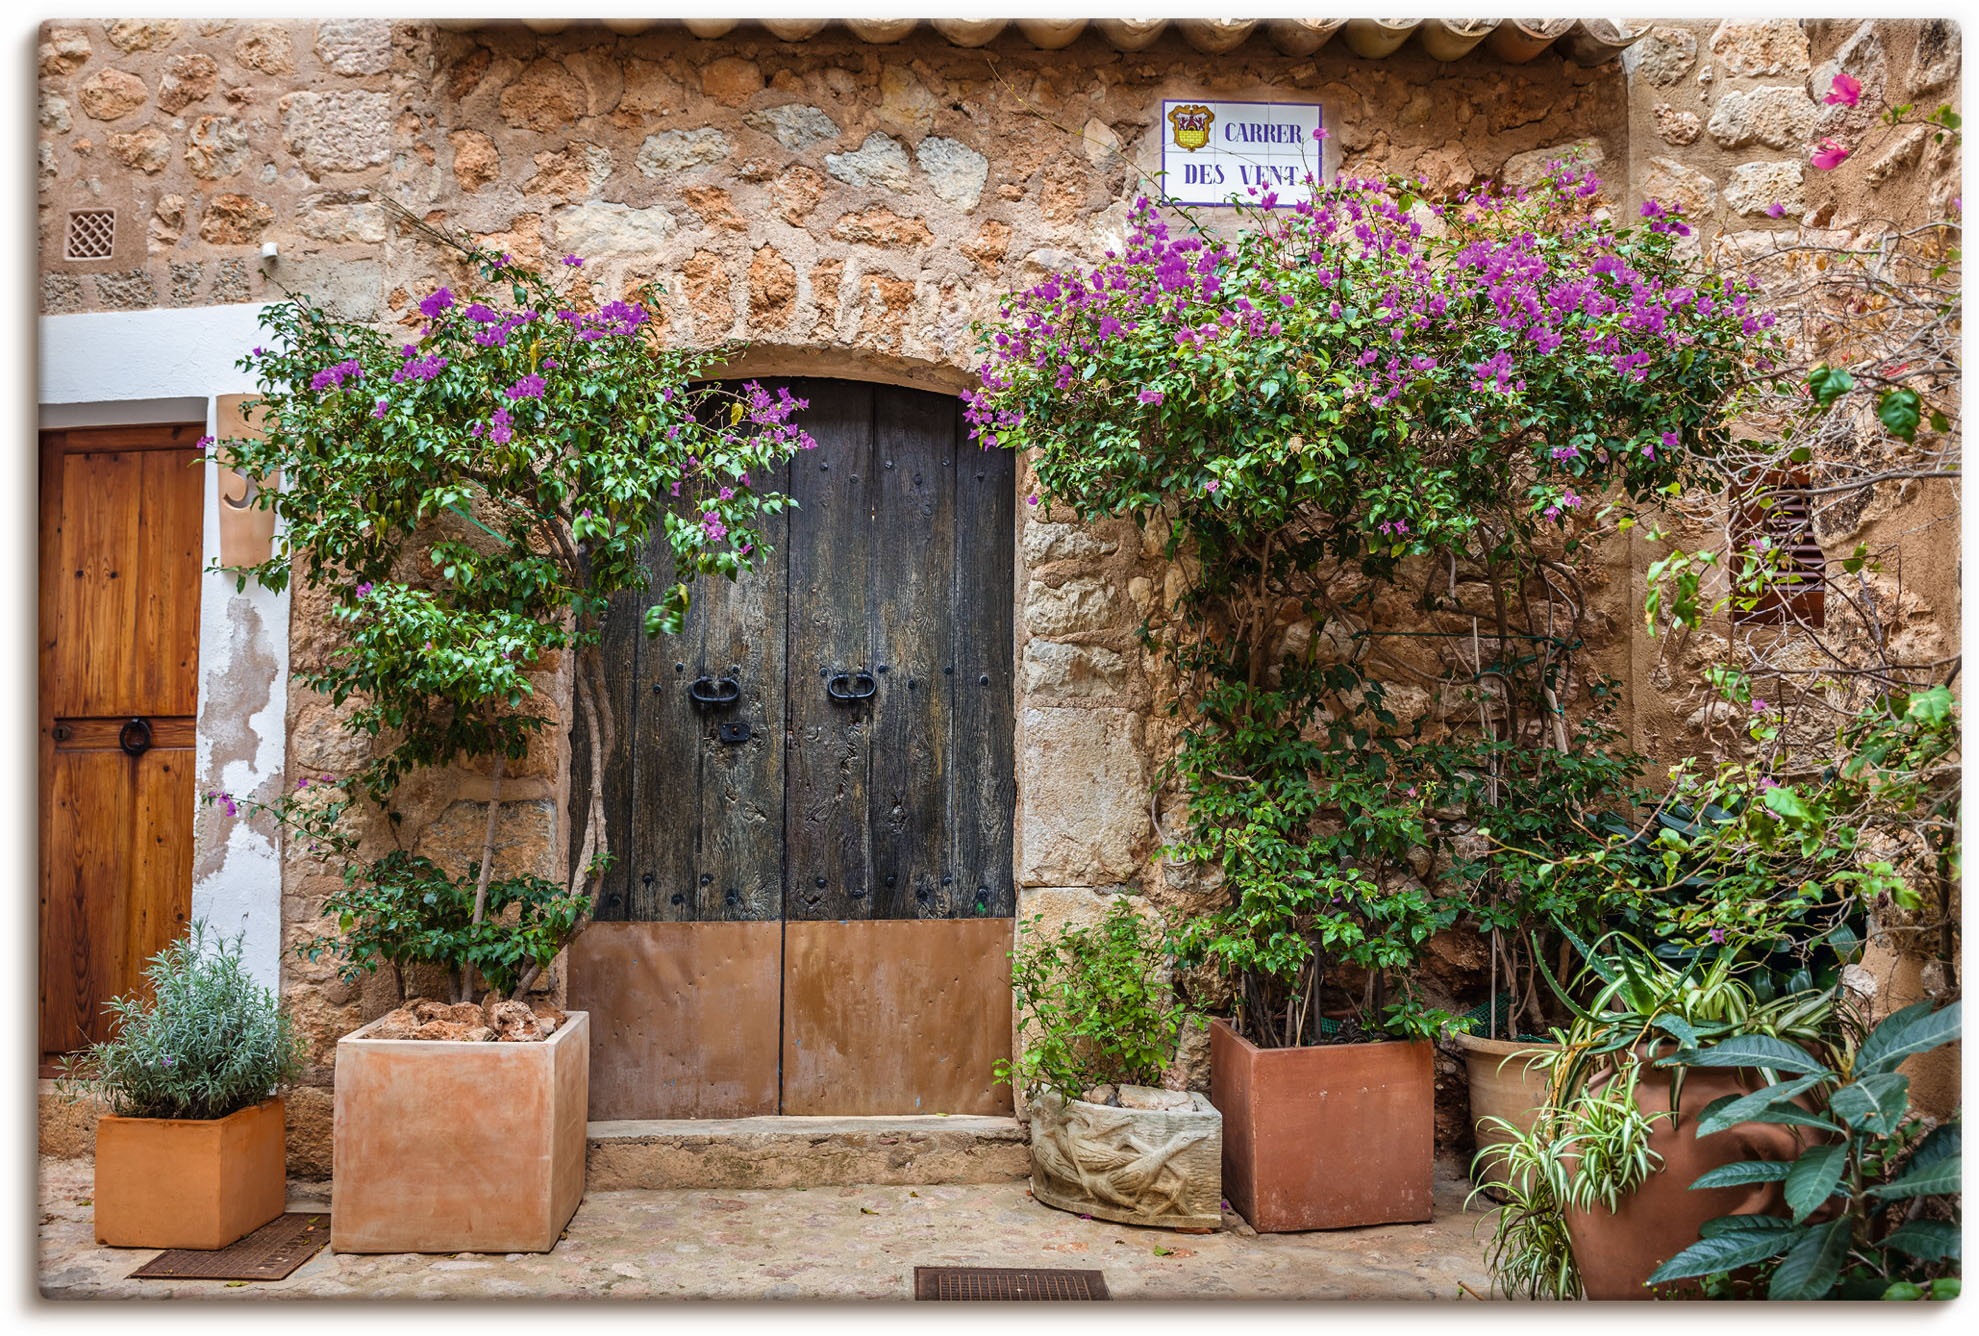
[
  {"x": 445, "y": 1146},
  {"x": 189, "y": 1182},
  {"x": 1325, "y": 1137}
]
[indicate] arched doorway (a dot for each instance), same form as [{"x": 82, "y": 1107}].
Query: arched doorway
[{"x": 812, "y": 800}]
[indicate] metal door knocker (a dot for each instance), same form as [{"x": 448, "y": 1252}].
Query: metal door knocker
[
  {"x": 845, "y": 688},
  {"x": 135, "y": 737},
  {"x": 714, "y": 692}
]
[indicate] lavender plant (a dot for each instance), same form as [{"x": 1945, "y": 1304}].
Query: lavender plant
[{"x": 209, "y": 1041}]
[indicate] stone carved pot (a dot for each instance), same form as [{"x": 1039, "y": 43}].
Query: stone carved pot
[
  {"x": 1135, "y": 1166},
  {"x": 448, "y": 1146},
  {"x": 1325, "y": 1137},
  {"x": 189, "y": 1182},
  {"x": 1505, "y": 1084},
  {"x": 1615, "y": 1251}
]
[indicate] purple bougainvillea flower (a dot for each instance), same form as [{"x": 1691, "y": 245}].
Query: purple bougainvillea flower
[
  {"x": 1845, "y": 91},
  {"x": 711, "y": 525},
  {"x": 1152, "y": 396},
  {"x": 481, "y": 315},
  {"x": 363, "y": 590},
  {"x": 501, "y": 428},
  {"x": 383, "y": 405},
  {"x": 1211, "y": 485},
  {"x": 529, "y": 387},
  {"x": 1776, "y": 210},
  {"x": 333, "y": 377},
  {"x": 438, "y": 302},
  {"x": 1031, "y": 500},
  {"x": 1718, "y": 935},
  {"x": 572, "y": 261},
  {"x": 1830, "y": 156},
  {"x": 1758, "y": 706}
]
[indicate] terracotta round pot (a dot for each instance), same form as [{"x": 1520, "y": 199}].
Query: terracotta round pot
[
  {"x": 1503, "y": 1084},
  {"x": 1615, "y": 1251}
]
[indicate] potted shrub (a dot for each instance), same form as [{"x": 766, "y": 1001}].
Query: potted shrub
[
  {"x": 191, "y": 1152},
  {"x": 467, "y": 493},
  {"x": 1098, "y": 1026},
  {"x": 1599, "y": 1189},
  {"x": 1873, "y": 1203},
  {"x": 1328, "y": 1118}
]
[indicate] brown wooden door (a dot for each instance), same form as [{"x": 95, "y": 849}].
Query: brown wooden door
[
  {"x": 812, "y": 918},
  {"x": 121, "y": 513}
]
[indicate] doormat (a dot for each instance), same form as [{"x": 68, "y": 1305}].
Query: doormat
[
  {"x": 995, "y": 1282},
  {"x": 269, "y": 1253}
]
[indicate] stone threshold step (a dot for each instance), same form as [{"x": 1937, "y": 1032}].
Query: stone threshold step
[{"x": 795, "y": 1151}]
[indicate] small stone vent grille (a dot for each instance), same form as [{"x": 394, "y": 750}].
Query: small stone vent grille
[{"x": 92, "y": 235}]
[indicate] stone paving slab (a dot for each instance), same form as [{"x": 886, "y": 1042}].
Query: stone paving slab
[{"x": 825, "y": 1243}]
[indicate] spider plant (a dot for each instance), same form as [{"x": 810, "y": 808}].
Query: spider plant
[{"x": 1590, "y": 1145}]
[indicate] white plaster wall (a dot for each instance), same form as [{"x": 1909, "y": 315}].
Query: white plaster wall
[{"x": 163, "y": 365}]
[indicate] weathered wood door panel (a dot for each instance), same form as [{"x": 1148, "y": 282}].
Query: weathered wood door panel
[
  {"x": 120, "y": 558},
  {"x": 872, "y": 657}
]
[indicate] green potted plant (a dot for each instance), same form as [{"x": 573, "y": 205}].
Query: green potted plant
[
  {"x": 190, "y": 1153},
  {"x": 1598, "y": 1188},
  {"x": 467, "y": 493},
  {"x": 1098, "y": 1026},
  {"x": 1872, "y": 1202}
]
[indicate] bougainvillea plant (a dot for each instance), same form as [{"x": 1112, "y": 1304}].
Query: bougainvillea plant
[
  {"x": 468, "y": 492},
  {"x": 1364, "y": 392}
]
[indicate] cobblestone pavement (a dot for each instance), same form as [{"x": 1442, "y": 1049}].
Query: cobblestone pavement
[{"x": 817, "y": 1243}]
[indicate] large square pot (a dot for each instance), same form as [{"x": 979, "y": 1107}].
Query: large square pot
[
  {"x": 446, "y": 1146},
  {"x": 1325, "y": 1137},
  {"x": 189, "y": 1182},
  {"x": 1134, "y": 1166}
]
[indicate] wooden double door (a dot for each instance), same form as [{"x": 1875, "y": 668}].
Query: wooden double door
[
  {"x": 119, "y": 650},
  {"x": 811, "y": 806}
]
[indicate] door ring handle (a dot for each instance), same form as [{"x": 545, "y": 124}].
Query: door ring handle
[
  {"x": 845, "y": 688},
  {"x": 716, "y": 692},
  {"x": 135, "y": 737}
]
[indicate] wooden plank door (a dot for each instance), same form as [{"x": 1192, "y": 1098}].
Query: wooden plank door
[
  {"x": 121, "y": 514},
  {"x": 814, "y": 920},
  {"x": 899, "y": 891}
]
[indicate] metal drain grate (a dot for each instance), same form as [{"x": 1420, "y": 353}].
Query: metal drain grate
[
  {"x": 269, "y": 1253},
  {"x": 996, "y": 1282},
  {"x": 92, "y": 235}
]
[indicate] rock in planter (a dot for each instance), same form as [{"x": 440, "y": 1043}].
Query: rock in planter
[
  {"x": 1503, "y": 1084},
  {"x": 459, "y": 1145},
  {"x": 1156, "y": 1160},
  {"x": 1325, "y": 1137},
  {"x": 189, "y": 1182}
]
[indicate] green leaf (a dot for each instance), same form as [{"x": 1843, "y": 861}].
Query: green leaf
[
  {"x": 1741, "y": 1172},
  {"x": 1918, "y": 1028},
  {"x": 1725, "y": 1252},
  {"x": 1926, "y": 1240},
  {"x": 1813, "y": 1179},
  {"x": 1937, "y": 1179},
  {"x": 1747, "y": 1223},
  {"x": 1899, "y": 412},
  {"x": 1829, "y": 383},
  {"x": 1730, "y": 1110},
  {"x": 1750, "y": 1050},
  {"x": 1875, "y": 1103},
  {"x": 1810, "y": 1268},
  {"x": 1941, "y": 1143}
]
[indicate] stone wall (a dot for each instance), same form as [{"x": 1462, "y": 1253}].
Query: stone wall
[{"x": 850, "y": 209}]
